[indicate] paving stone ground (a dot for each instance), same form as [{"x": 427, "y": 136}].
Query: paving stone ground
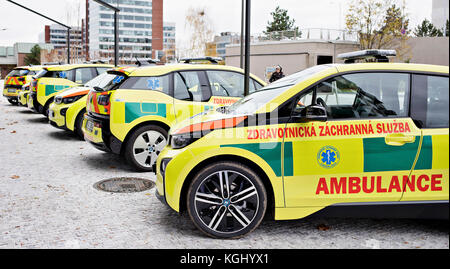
[{"x": 47, "y": 200}]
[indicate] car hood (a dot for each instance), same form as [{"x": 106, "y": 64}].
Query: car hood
[
  {"x": 74, "y": 91},
  {"x": 207, "y": 121}
]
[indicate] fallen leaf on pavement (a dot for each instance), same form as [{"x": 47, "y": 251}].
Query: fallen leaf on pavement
[
  {"x": 15, "y": 177},
  {"x": 323, "y": 227}
]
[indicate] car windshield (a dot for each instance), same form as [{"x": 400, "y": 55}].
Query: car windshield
[
  {"x": 18, "y": 73},
  {"x": 105, "y": 81},
  {"x": 254, "y": 101},
  {"x": 41, "y": 73}
]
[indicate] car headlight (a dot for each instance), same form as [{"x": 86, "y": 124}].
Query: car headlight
[
  {"x": 69, "y": 100},
  {"x": 162, "y": 169},
  {"x": 183, "y": 140},
  {"x": 58, "y": 100}
]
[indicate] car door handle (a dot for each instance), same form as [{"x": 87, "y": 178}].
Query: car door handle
[{"x": 399, "y": 139}]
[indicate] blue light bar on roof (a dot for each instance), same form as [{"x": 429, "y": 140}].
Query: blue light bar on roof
[{"x": 379, "y": 54}]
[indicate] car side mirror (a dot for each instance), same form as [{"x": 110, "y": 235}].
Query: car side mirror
[
  {"x": 312, "y": 113},
  {"x": 22, "y": 79}
]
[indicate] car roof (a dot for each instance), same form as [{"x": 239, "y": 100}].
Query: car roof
[
  {"x": 392, "y": 67},
  {"x": 159, "y": 70},
  {"x": 65, "y": 67},
  {"x": 28, "y": 67}
]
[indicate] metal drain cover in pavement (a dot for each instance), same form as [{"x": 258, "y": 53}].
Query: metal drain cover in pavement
[{"x": 124, "y": 185}]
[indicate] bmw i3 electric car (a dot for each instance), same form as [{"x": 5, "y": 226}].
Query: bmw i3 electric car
[
  {"x": 133, "y": 118},
  {"x": 17, "y": 79},
  {"x": 68, "y": 109},
  {"x": 363, "y": 139},
  {"x": 55, "y": 78}
]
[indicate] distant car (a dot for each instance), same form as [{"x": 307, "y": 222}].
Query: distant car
[
  {"x": 55, "y": 78},
  {"x": 134, "y": 117},
  {"x": 16, "y": 80},
  {"x": 365, "y": 139},
  {"x": 68, "y": 108}
]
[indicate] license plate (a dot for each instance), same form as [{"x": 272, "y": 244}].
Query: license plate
[
  {"x": 89, "y": 126},
  {"x": 11, "y": 90}
]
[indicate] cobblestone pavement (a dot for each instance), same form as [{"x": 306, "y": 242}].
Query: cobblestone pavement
[{"x": 47, "y": 200}]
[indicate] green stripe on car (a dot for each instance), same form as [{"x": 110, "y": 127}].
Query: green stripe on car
[
  {"x": 134, "y": 111},
  {"x": 378, "y": 156},
  {"x": 271, "y": 153}
]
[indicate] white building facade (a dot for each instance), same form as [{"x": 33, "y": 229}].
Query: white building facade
[{"x": 135, "y": 29}]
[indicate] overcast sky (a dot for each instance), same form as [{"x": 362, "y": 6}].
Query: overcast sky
[{"x": 23, "y": 26}]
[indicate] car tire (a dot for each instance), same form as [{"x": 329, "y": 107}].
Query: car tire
[
  {"x": 79, "y": 124},
  {"x": 13, "y": 102},
  {"x": 46, "y": 108},
  {"x": 222, "y": 214},
  {"x": 143, "y": 147}
]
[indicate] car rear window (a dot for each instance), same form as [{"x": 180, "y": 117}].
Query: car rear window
[{"x": 160, "y": 83}]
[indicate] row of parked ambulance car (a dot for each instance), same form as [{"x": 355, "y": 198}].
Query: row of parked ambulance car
[{"x": 356, "y": 139}]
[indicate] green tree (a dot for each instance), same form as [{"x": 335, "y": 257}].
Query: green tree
[
  {"x": 281, "y": 21},
  {"x": 426, "y": 28},
  {"x": 34, "y": 57},
  {"x": 378, "y": 23}
]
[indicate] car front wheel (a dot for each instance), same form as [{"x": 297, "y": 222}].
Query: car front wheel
[{"x": 226, "y": 200}]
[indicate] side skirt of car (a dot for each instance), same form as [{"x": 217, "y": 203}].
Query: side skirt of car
[{"x": 394, "y": 210}]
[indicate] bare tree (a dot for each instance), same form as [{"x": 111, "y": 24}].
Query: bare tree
[{"x": 201, "y": 31}]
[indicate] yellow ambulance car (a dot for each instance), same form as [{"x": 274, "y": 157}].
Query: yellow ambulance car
[
  {"x": 55, "y": 78},
  {"x": 366, "y": 139},
  {"x": 16, "y": 80},
  {"x": 134, "y": 117},
  {"x": 68, "y": 108}
]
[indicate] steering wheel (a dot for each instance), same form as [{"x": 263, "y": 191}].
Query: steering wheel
[{"x": 321, "y": 102}]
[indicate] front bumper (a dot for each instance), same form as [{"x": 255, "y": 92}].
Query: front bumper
[
  {"x": 57, "y": 115},
  {"x": 169, "y": 182},
  {"x": 23, "y": 97}
]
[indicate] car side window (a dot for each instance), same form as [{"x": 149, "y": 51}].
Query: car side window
[
  {"x": 187, "y": 86},
  {"x": 430, "y": 104},
  {"x": 228, "y": 84},
  {"x": 83, "y": 75},
  {"x": 160, "y": 83},
  {"x": 67, "y": 74},
  {"x": 365, "y": 95}
]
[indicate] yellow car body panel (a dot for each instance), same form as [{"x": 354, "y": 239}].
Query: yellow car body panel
[
  {"x": 74, "y": 110},
  {"x": 55, "y": 115},
  {"x": 50, "y": 87},
  {"x": 23, "y": 97},
  {"x": 126, "y": 115},
  {"x": 375, "y": 159}
]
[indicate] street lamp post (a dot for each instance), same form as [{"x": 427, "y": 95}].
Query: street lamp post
[
  {"x": 247, "y": 47},
  {"x": 57, "y": 22},
  {"x": 116, "y": 29},
  {"x": 242, "y": 34}
]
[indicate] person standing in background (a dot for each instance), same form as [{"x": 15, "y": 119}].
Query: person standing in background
[{"x": 278, "y": 74}]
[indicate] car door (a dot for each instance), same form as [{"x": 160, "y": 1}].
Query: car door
[
  {"x": 362, "y": 152},
  {"x": 191, "y": 94},
  {"x": 430, "y": 110}
]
